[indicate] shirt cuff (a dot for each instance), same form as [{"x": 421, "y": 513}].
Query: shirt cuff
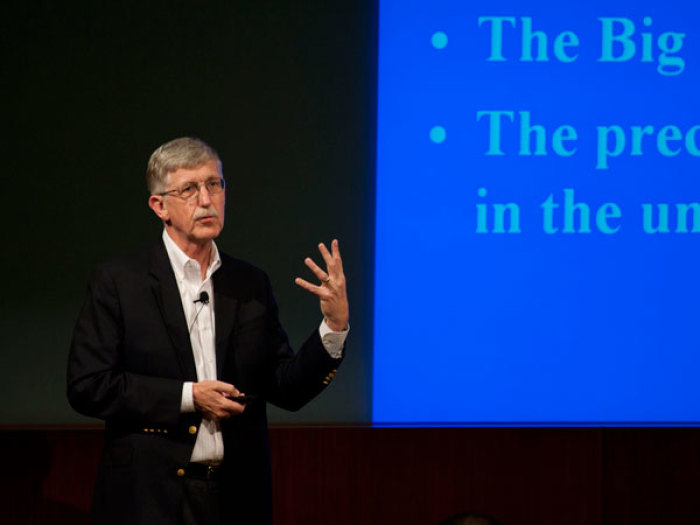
[
  {"x": 332, "y": 341},
  {"x": 187, "y": 402}
]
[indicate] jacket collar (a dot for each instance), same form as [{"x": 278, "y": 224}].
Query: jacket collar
[
  {"x": 225, "y": 312},
  {"x": 170, "y": 305}
]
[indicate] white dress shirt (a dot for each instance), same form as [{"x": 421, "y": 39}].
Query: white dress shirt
[{"x": 209, "y": 446}]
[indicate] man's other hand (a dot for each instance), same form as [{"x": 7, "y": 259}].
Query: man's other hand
[{"x": 211, "y": 399}]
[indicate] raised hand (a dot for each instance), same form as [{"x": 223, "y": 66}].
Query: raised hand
[{"x": 331, "y": 290}]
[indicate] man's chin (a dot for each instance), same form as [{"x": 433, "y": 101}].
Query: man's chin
[{"x": 206, "y": 232}]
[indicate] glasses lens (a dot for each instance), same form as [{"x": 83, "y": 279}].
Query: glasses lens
[
  {"x": 215, "y": 186},
  {"x": 188, "y": 190}
]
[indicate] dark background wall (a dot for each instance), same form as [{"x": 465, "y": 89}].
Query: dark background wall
[{"x": 284, "y": 91}]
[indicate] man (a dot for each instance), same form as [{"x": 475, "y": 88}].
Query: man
[{"x": 179, "y": 348}]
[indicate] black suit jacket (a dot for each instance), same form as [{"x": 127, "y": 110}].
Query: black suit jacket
[{"x": 129, "y": 357}]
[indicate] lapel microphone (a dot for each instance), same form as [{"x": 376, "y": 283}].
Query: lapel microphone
[{"x": 204, "y": 299}]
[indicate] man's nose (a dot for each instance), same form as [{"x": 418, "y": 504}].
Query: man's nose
[{"x": 204, "y": 196}]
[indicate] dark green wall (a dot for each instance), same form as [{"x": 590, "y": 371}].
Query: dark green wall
[{"x": 286, "y": 95}]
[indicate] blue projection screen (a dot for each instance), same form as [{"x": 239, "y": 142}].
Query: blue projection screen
[{"x": 537, "y": 213}]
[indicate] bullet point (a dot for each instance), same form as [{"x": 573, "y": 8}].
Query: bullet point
[
  {"x": 439, "y": 40},
  {"x": 438, "y": 134}
]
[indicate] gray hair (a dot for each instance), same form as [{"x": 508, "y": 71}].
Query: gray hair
[{"x": 185, "y": 152}]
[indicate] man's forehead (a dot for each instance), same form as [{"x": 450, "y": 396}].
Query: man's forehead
[{"x": 208, "y": 169}]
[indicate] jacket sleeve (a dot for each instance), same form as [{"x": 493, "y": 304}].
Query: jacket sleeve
[
  {"x": 300, "y": 377},
  {"x": 99, "y": 385}
]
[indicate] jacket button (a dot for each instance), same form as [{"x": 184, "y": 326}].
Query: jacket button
[
  {"x": 193, "y": 429},
  {"x": 180, "y": 472}
]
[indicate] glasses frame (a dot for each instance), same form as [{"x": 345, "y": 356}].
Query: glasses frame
[{"x": 178, "y": 191}]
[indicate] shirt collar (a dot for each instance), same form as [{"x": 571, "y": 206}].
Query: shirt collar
[{"x": 178, "y": 258}]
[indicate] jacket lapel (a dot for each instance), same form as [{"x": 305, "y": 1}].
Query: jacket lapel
[
  {"x": 170, "y": 305},
  {"x": 225, "y": 312}
]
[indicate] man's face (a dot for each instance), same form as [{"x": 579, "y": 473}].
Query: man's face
[{"x": 196, "y": 220}]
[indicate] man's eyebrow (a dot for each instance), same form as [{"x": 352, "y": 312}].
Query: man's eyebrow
[{"x": 205, "y": 179}]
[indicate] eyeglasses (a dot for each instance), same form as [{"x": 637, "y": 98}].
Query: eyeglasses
[{"x": 192, "y": 189}]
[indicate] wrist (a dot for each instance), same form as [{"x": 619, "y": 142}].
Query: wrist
[{"x": 336, "y": 326}]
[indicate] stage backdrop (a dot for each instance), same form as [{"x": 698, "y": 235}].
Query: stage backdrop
[
  {"x": 285, "y": 93},
  {"x": 537, "y": 205}
]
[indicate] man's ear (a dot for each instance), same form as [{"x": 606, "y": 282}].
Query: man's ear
[{"x": 155, "y": 202}]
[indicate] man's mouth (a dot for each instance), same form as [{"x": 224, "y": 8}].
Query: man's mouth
[{"x": 206, "y": 215}]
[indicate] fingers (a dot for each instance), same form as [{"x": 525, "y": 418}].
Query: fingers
[
  {"x": 333, "y": 259},
  {"x": 334, "y": 263},
  {"x": 318, "y": 272},
  {"x": 306, "y": 285},
  {"x": 326, "y": 254},
  {"x": 336, "y": 254},
  {"x": 332, "y": 289},
  {"x": 211, "y": 399},
  {"x": 231, "y": 408},
  {"x": 225, "y": 388},
  {"x": 332, "y": 276}
]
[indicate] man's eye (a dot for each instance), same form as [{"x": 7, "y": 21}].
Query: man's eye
[
  {"x": 187, "y": 188},
  {"x": 213, "y": 185}
]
